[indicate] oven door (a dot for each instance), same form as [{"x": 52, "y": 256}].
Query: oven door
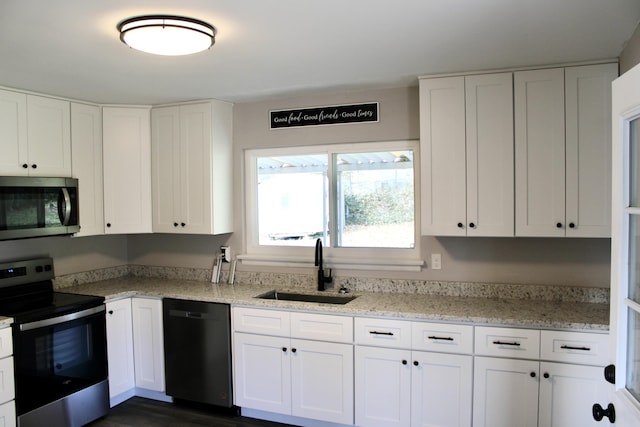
[{"x": 58, "y": 356}]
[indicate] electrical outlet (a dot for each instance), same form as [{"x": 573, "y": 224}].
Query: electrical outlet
[
  {"x": 226, "y": 253},
  {"x": 436, "y": 262}
]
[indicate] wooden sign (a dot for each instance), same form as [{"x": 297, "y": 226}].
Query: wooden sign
[{"x": 321, "y": 116}]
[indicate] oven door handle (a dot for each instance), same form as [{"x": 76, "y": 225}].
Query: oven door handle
[{"x": 61, "y": 319}]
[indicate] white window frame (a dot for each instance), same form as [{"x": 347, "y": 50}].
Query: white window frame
[{"x": 403, "y": 259}]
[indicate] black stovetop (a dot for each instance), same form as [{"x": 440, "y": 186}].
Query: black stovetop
[{"x": 26, "y": 292}]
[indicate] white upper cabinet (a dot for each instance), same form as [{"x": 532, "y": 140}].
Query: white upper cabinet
[
  {"x": 127, "y": 169},
  {"x": 540, "y": 162},
  {"x": 563, "y": 151},
  {"x": 588, "y": 149},
  {"x": 191, "y": 168},
  {"x": 35, "y": 135},
  {"x": 86, "y": 165},
  {"x": 13, "y": 132},
  {"x": 466, "y": 132}
]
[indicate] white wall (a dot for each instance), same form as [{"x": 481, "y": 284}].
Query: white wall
[{"x": 577, "y": 262}]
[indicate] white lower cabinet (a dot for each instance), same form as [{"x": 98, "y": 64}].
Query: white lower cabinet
[
  {"x": 120, "y": 347},
  {"x": 148, "y": 339},
  {"x": 505, "y": 392},
  {"x": 514, "y": 391},
  {"x": 7, "y": 384},
  {"x": 306, "y": 378},
  {"x": 135, "y": 347},
  {"x": 398, "y": 386}
]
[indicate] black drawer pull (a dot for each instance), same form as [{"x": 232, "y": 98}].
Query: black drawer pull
[
  {"x": 381, "y": 333},
  {"x": 433, "y": 337},
  {"x": 569, "y": 347},
  {"x": 514, "y": 343}
]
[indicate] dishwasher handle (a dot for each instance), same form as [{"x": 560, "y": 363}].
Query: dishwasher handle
[{"x": 189, "y": 314}]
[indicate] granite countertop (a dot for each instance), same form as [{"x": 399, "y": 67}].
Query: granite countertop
[{"x": 539, "y": 314}]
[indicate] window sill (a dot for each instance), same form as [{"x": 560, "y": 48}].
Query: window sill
[{"x": 342, "y": 263}]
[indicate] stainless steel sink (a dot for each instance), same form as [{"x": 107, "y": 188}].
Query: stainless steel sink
[{"x": 294, "y": 296}]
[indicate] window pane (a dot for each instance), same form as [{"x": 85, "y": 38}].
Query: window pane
[
  {"x": 634, "y": 163},
  {"x": 292, "y": 199},
  {"x": 375, "y": 200},
  {"x": 634, "y": 260},
  {"x": 633, "y": 354}
]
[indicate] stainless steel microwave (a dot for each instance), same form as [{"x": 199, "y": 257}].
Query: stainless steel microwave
[{"x": 37, "y": 207}]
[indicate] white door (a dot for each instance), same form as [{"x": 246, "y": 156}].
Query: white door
[
  {"x": 49, "y": 136},
  {"x": 442, "y": 153},
  {"x": 148, "y": 343},
  {"x": 441, "y": 388},
  {"x": 505, "y": 392},
  {"x": 490, "y": 180},
  {"x": 127, "y": 169},
  {"x": 625, "y": 248},
  {"x": 120, "y": 347},
  {"x": 383, "y": 387},
  {"x": 262, "y": 373},
  {"x": 322, "y": 381},
  {"x": 567, "y": 394}
]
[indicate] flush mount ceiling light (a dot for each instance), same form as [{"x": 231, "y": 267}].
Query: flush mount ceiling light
[{"x": 166, "y": 34}]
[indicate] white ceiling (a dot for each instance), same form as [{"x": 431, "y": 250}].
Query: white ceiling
[{"x": 275, "y": 48}]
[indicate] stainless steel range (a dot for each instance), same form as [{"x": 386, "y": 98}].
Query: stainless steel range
[{"x": 59, "y": 342}]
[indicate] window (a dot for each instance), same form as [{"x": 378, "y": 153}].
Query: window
[{"x": 360, "y": 199}]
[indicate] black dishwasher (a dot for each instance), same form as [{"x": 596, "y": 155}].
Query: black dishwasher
[{"x": 197, "y": 351}]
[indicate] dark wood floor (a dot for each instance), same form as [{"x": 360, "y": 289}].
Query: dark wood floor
[{"x": 139, "y": 412}]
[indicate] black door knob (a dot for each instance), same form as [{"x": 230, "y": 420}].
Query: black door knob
[
  {"x": 572, "y": 225},
  {"x": 416, "y": 363},
  {"x": 404, "y": 362},
  {"x": 110, "y": 311},
  {"x": 532, "y": 374},
  {"x": 546, "y": 375},
  {"x": 472, "y": 225},
  {"x": 599, "y": 412},
  {"x": 293, "y": 350},
  {"x": 34, "y": 166},
  {"x": 24, "y": 165},
  {"x": 284, "y": 349},
  {"x": 108, "y": 224},
  {"x": 183, "y": 224},
  {"x": 559, "y": 225},
  {"x": 460, "y": 225}
]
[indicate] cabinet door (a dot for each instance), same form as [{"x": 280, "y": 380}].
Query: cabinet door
[
  {"x": 13, "y": 133},
  {"x": 568, "y": 392},
  {"x": 442, "y": 153},
  {"x": 127, "y": 170},
  {"x": 505, "y": 393},
  {"x": 322, "y": 381},
  {"x": 120, "y": 346},
  {"x": 148, "y": 343},
  {"x": 441, "y": 390},
  {"x": 382, "y": 387},
  {"x": 490, "y": 175},
  {"x": 8, "y": 414},
  {"x": 7, "y": 384},
  {"x": 262, "y": 370},
  {"x": 540, "y": 152},
  {"x": 48, "y": 136},
  {"x": 86, "y": 165},
  {"x": 165, "y": 169},
  {"x": 196, "y": 189},
  {"x": 588, "y": 141}
]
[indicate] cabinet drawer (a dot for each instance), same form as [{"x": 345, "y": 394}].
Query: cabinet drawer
[
  {"x": 505, "y": 342},
  {"x": 575, "y": 347},
  {"x": 259, "y": 321},
  {"x": 383, "y": 332},
  {"x": 6, "y": 342},
  {"x": 322, "y": 327},
  {"x": 442, "y": 337}
]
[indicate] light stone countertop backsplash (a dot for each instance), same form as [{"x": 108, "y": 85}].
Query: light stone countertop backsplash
[{"x": 533, "y": 306}]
